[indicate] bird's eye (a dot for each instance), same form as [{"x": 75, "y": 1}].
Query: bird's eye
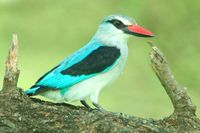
[{"x": 117, "y": 23}]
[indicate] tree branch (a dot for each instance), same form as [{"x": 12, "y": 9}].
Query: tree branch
[
  {"x": 11, "y": 72},
  {"x": 181, "y": 101},
  {"x": 20, "y": 113}
]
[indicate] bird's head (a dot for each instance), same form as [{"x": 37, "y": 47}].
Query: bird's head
[{"x": 119, "y": 28}]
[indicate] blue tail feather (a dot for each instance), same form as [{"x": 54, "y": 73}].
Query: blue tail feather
[{"x": 31, "y": 91}]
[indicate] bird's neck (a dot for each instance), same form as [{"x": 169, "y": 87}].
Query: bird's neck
[{"x": 111, "y": 39}]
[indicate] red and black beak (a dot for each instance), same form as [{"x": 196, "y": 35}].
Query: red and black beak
[{"x": 138, "y": 31}]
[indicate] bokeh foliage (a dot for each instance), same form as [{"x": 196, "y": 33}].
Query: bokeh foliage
[{"x": 50, "y": 30}]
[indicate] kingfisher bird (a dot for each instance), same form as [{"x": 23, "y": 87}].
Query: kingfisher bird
[{"x": 87, "y": 71}]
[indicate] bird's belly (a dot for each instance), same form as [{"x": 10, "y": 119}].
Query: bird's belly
[{"x": 88, "y": 87}]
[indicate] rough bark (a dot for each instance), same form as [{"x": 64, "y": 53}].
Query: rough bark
[
  {"x": 181, "y": 101},
  {"x": 12, "y": 71},
  {"x": 20, "y": 113}
]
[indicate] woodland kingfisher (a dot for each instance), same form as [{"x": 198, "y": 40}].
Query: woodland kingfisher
[{"x": 88, "y": 70}]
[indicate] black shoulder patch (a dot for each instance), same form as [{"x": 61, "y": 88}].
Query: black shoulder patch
[{"x": 95, "y": 62}]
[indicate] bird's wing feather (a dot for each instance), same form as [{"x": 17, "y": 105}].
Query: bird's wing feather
[{"x": 83, "y": 64}]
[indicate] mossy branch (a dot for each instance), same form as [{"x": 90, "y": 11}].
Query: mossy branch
[{"x": 20, "y": 113}]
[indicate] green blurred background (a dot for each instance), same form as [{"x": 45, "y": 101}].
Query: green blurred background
[{"x": 50, "y": 30}]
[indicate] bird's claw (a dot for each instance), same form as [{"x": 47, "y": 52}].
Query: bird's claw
[{"x": 98, "y": 107}]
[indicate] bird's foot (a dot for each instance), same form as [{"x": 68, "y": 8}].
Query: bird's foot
[
  {"x": 98, "y": 107},
  {"x": 84, "y": 103}
]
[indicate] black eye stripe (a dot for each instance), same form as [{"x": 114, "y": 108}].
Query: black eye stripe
[{"x": 117, "y": 23}]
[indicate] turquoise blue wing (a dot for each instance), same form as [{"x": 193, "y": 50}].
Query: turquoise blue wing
[
  {"x": 83, "y": 64},
  {"x": 55, "y": 79}
]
